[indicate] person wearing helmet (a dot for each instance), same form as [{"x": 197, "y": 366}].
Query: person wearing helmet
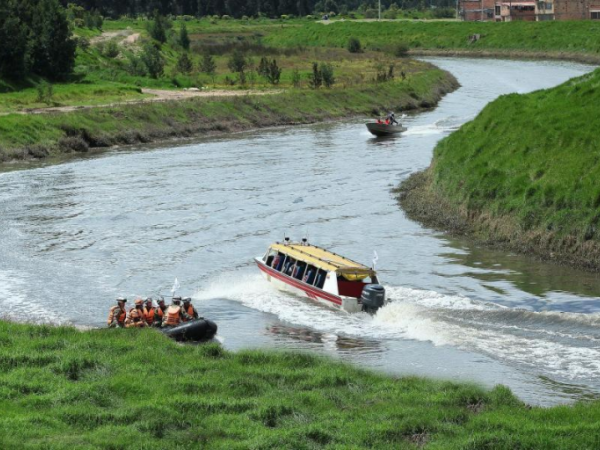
[
  {"x": 149, "y": 311},
  {"x": 117, "y": 314},
  {"x": 392, "y": 118},
  {"x": 174, "y": 314},
  {"x": 159, "y": 313},
  {"x": 135, "y": 318},
  {"x": 188, "y": 312}
]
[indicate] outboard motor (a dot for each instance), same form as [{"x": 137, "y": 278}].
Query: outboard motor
[{"x": 372, "y": 297}]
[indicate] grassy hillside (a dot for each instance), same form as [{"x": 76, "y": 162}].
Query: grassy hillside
[
  {"x": 64, "y": 389},
  {"x": 551, "y": 37},
  {"x": 524, "y": 172}
]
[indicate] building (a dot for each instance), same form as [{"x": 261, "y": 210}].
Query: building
[
  {"x": 476, "y": 10},
  {"x": 528, "y": 10}
]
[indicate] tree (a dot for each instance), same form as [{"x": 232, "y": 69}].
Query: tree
[
  {"x": 153, "y": 60},
  {"x": 327, "y": 74},
  {"x": 184, "y": 63},
  {"x": 315, "y": 78},
  {"x": 157, "y": 28},
  {"x": 184, "y": 39},
  {"x": 52, "y": 48},
  {"x": 13, "y": 41},
  {"x": 237, "y": 64},
  {"x": 208, "y": 65}
]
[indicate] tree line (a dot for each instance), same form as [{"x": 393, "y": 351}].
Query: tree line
[
  {"x": 249, "y": 8},
  {"x": 35, "y": 39}
]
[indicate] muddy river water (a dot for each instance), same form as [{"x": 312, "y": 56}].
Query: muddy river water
[{"x": 73, "y": 236}]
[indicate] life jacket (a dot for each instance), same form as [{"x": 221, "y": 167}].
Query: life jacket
[
  {"x": 173, "y": 316},
  {"x": 149, "y": 315},
  {"x": 190, "y": 312},
  {"x": 114, "y": 312},
  {"x": 134, "y": 314}
]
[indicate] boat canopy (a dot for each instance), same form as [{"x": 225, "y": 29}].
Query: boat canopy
[{"x": 325, "y": 260}]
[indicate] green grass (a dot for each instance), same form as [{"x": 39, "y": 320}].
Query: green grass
[
  {"x": 23, "y": 135},
  {"x": 556, "y": 36},
  {"x": 526, "y": 172},
  {"x": 62, "y": 389}
]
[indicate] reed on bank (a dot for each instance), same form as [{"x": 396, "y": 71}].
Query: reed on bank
[{"x": 61, "y": 388}]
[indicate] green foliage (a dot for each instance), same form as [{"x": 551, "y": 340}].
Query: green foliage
[
  {"x": 13, "y": 41},
  {"x": 208, "y": 65},
  {"x": 237, "y": 64},
  {"x": 153, "y": 60},
  {"x": 35, "y": 37},
  {"x": 184, "y": 63},
  {"x": 315, "y": 78},
  {"x": 157, "y": 28},
  {"x": 111, "y": 49},
  {"x": 184, "y": 39},
  {"x": 45, "y": 92},
  {"x": 269, "y": 70},
  {"x": 354, "y": 45},
  {"x": 401, "y": 50},
  {"x": 296, "y": 78},
  {"x": 327, "y": 75}
]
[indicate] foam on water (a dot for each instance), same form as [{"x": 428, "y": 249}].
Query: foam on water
[{"x": 512, "y": 335}]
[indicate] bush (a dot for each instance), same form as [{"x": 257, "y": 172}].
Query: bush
[
  {"x": 45, "y": 93},
  {"x": 111, "y": 49},
  {"x": 136, "y": 67},
  {"x": 371, "y": 14},
  {"x": 184, "y": 63},
  {"x": 225, "y": 17},
  {"x": 315, "y": 78},
  {"x": 153, "y": 60},
  {"x": 296, "y": 79},
  {"x": 327, "y": 74},
  {"x": 401, "y": 50},
  {"x": 354, "y": 45},
  {"x": 83, "y": 43}
]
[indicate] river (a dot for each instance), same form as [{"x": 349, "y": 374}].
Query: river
[{"x": 74, "y": 236}]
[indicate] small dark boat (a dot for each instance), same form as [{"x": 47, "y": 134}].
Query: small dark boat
[
  {"x": 381, "y": 129},
  {"x": 195, "y": 330}
]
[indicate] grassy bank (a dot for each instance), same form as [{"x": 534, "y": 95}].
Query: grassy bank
[
  {"x": 25, "y": 136},
  {"x": 60, "y": 388},
  {"x": 569, "y": 40},
  {"x": 523, "y": 174}
]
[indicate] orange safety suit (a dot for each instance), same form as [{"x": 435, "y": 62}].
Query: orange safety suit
[
  {"x": 135, "y": 319},
  {"x": 173, "y": 316},
  {"x": 149, "y": 315},
  {"x": 190, "y": 313},
  {"x": 116, "y": 317}
]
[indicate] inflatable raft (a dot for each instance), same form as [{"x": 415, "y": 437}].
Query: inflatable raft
[
  {"x": 195, "y": 330},
  {"x": 381, "y": 129}
]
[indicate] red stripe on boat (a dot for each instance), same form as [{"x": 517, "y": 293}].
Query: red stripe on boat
[{"x": 299, "y": 284}]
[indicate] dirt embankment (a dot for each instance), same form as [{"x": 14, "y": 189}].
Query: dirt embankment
[{"x": 421, "y": 201}]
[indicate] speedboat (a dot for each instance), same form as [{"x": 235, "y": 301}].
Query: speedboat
[
  {"x": 382, "y": 129},
  {"x": 321, "y": 275}
]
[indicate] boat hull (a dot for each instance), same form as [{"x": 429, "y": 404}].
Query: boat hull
[
  {"x": 195, "y": 330},
  {"x": 289, "y": 284},
  {"x": 381, "y": 129}
]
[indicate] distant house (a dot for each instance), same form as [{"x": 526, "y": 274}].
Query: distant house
[{"x": 528, "y": 10}]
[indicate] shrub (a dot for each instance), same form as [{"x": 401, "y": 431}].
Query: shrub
[
  {"x": 184, "y": 63},
  {"x": 327, "y": 75},
  {"x": 83, "y": 43},
  {"x": 354, "y": 45},
  {"x": 296, "y": 79},
  {"x": 225, "y": 17},
  {"x": 136, "y": 67},
  {"x": 111, "y": 49},
  {"x": 153, "y": 60},
  {"x": 184, "y": 38},
  {"x": 45, "y": 92},
  {"x": 315, "y": 78},
  {"x": 401, "y": 50},
  {"x": 371, "y": 14}
]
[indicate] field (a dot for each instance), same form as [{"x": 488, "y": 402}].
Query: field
[
  {"x": 566, "y": 39},
  {"x": 61, "y": 388}
]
